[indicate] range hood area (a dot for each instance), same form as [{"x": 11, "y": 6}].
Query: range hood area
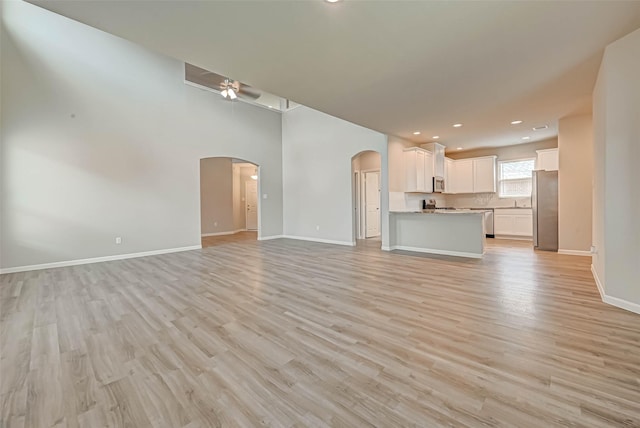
[{"x": 438, "y": 158}]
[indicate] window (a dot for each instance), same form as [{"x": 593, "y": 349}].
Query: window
[{"x": 514, "y": 178}]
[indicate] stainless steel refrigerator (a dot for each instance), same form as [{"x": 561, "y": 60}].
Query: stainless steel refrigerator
[{"x": 544, "y": 201}]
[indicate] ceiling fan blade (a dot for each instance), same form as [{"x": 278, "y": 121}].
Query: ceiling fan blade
[
  {"x": 247, "y": 91},
  {"x": 216, "y": 81},
  {"x": 203, "y": 77}
]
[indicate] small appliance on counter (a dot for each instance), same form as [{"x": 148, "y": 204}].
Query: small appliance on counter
[{"x": 430, "y": 205}]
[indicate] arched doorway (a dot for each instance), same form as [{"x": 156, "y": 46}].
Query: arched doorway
[
  {"x": 229, "y": 202},
  {"x": 367, "y": 184}
]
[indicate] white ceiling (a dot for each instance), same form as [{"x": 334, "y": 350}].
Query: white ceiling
[{"x": 392, "y": 66}]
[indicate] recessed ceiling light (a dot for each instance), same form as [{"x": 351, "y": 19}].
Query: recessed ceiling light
[
  {"x": 540, "y": 128},
  {"x": 459, "y": 148},
  {"x": 332, "y": 1},
  {"x": 416, "y": 133},
  {"x": 435, "y": 137},
  {"x": 526, "y": 138},
  {"x": 270, "y": 106},
  {"x": 457, "y": 125},
  {"x": 516, "y": 122}
]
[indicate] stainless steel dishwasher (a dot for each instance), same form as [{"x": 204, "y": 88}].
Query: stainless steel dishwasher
[{"x": 488, "y": 221}]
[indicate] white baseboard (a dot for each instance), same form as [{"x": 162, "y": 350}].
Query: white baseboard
[
  {"x": 514, "y": 237},
  {"x": 622, "y": 304},
  {"x": 323, "y": 241},
  {"x": 598, "y": 283},
  {"x": 614, "y": 301},
  {"x": 433, "y": 251},
  {"x": 97, "y": 259},
  {"x": 233, "y": 232},
  {"x": 267, "y": 238},
  {"x": 575, "y": 252}
]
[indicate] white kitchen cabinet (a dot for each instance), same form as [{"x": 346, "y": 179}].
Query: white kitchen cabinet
[
  {"x": 418, "y": 167},
  {"x": 517, "y": 223},
  {"x": 463, "y": 171},
  {"x": 437, "y": 150},
  {"x": 449, "y": 175},
  {"x": 472, "y": 175},
  {"x": 547, "y": 160},
  {"x": 523, "y": 224},
  {"x": 484, "y": 174},
  {"x": 428, "y": 172}
]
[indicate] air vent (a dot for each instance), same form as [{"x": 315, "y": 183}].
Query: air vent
[{"x": 540, "y": 128}]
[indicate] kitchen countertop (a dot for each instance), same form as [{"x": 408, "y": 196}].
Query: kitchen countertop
[{"x": 440, "y": 211}]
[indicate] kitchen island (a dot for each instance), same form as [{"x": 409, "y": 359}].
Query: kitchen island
[{"x": 448, "y": 232}]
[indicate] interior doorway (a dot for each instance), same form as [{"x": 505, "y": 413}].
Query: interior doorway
[
  {"x": 229, "y": 203},
  {"x": 251, "y": 203},
  {"x": 366, "y": 175},
  {"x": 371, "y": 204}
]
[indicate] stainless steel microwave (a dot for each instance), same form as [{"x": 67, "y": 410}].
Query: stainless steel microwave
[{"x": 438, "y": 184}]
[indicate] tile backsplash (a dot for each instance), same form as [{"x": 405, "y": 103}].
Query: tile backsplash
[
  {"x": 485, "y": 200},
  {"x": 400, "y": 201}
]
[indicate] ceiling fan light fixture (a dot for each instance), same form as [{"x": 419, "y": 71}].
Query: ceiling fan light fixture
[{"x": 228, "y": 90}]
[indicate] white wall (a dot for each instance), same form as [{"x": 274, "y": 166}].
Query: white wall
[
  {"x": 616, "y": 109},
  {"x": 317, "y": 150},
  {"x": 101, "y": 138},
  {"x": 575, "y": 182}
]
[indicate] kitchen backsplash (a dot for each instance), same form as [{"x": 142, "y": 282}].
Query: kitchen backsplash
[
  {"x": 400, "y": 201},
  {"x": 485, "y": 200}
]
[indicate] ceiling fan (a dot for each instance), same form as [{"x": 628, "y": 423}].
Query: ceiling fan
[{"x": 228, "y": 88}]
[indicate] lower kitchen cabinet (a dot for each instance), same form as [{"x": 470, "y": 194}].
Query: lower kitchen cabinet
[{"x": 517, "y": 222}]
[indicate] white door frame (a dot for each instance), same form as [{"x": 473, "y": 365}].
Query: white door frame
[
  {"x": 364, "y": 201},
  {"x": 246, "y": 203},
  {"x": 356, "y": 203}
]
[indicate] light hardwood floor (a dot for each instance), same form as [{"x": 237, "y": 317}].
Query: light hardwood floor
[
  {"x": 291, "y": 333},
  {"x": 212, "y": 241}
]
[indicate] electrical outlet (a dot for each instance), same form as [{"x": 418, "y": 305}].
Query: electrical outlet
[
  {"x": 118, "y": 240},
  {"x": 215, "y": 224},
  {"x": 317, "y": 227},
  {"x": 265, "y": 196}
]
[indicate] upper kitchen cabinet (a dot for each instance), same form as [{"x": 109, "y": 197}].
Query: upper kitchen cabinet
[
  {"x": 547, "y": 160},
  {"x": 438, "y": 158},
  {"x": 418, "y": 167},
  {"x": 484, "y": 174},
  {"x": 472, "y": 175},
  {"x": 449, "y": 175},
  {"x": 463, "y": 171}
]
